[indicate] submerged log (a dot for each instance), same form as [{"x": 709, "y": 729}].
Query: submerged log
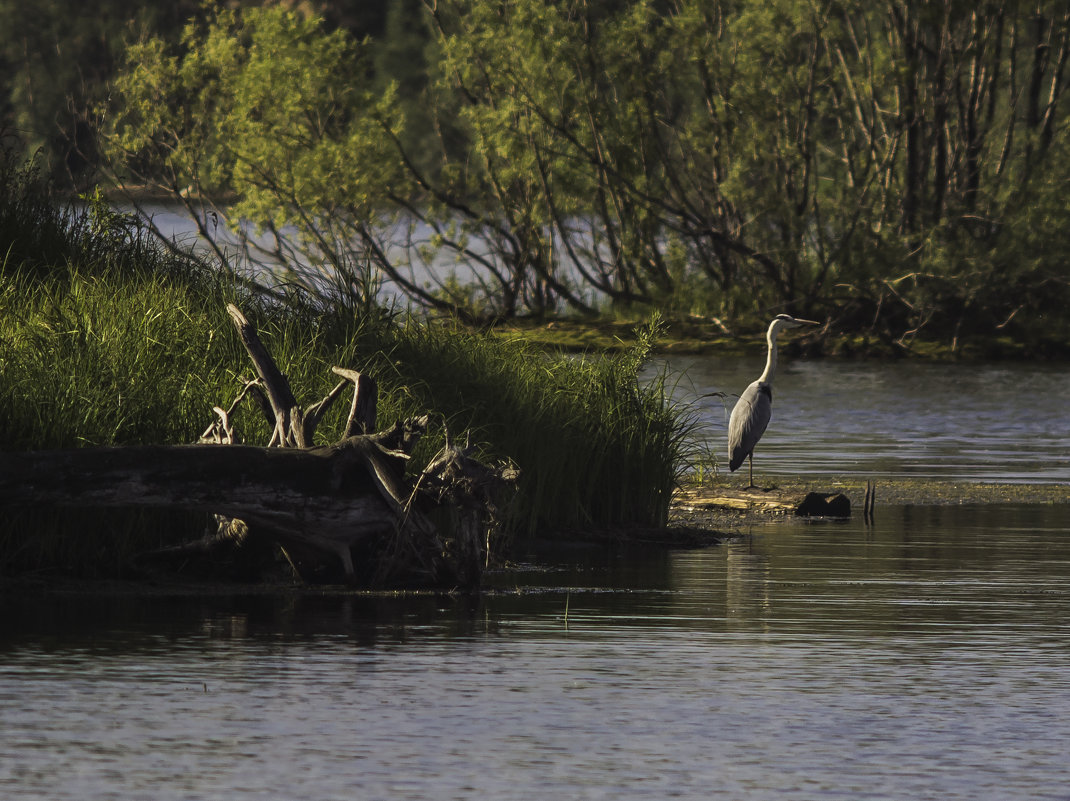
[{"x": 317, "y": 503}]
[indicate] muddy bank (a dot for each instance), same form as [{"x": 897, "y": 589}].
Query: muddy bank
[{"x": 700, "y": 506}]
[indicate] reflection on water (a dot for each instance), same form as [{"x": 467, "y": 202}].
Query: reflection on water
[
  {"x": 971, "y": 422},
  {"x": 746, "y": 584},
  {"x": 927, "y": 656}
]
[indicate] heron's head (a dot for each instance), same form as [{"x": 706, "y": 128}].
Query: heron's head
[{"x": 785, "y": 322}]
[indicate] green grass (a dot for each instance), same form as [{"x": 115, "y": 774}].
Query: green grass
[
  {"x": 595, "y": 448},
  {"x": 106, "y": 338}
]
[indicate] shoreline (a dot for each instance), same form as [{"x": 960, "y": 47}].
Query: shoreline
[
  {"x": 701, "y": 336},
  {"x": 895, "y": 491},
  {"x": 690, "y": 526},
  {"x": 905, "y": 491}
]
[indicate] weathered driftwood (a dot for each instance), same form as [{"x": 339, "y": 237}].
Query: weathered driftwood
[
  {"x": 318, "y": 504},
  {"x": 803, "y": 504}
]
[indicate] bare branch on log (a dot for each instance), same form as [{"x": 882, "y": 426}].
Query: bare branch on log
[
  {"x": 279, "y": 394},
  {"x": 365, "y": 398},
  {"x": 316, "y": 411},
  {"x": 221, "y": 432}
]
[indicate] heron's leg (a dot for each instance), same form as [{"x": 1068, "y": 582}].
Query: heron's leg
[{"x": 750, "y": 468}]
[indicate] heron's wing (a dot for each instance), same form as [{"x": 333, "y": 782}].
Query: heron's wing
[{"x": 748, "y": 421}]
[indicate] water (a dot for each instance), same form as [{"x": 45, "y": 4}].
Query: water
[
  {"x": 410, "y": 252},
  {"x": 926, "y": 657},
  {"x": 1002, "y": 422}
]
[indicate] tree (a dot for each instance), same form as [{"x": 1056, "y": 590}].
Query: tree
[
  {"x": 265, "y": 113},
  {"x": 879, "y": 163}
]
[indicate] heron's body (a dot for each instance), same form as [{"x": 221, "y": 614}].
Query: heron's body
[
  {"x": 747, "y": 424},
  {"x": 752, "y": 411}
]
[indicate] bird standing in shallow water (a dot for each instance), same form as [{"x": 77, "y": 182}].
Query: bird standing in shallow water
[{"x": 755, "y": 406}]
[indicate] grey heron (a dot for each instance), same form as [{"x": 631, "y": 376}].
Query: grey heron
[{"x": 755, "y": 406}]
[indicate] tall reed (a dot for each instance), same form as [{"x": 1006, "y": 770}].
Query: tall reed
[{"x": 595, "y": 446}]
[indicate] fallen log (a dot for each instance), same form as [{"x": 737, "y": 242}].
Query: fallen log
[
  {"x": 792, "y": 502},
  {"x": 323, "y": 496},
  {"x": 317, "y": 503}
]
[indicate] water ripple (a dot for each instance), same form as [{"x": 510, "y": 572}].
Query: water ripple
[{"x": 924, "y": 657}]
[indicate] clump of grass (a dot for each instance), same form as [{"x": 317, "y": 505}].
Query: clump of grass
[
  {"x": 595, "y": 447},
  {"x": 34, "y": 231}
]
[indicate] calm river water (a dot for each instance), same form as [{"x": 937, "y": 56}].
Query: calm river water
[
  {"x": 924, "y": 657},
  {"x": 1001, "y": 422}
]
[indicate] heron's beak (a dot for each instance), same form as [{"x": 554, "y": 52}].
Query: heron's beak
[{"x": 806, "y": 322}]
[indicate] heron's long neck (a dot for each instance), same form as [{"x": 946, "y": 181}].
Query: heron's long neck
[{"x": 770, "y": 359}]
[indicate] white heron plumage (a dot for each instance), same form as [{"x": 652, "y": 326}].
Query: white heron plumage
[{"x": 752, "y": 411}]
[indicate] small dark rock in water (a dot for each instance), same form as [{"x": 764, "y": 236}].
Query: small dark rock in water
[{"x": 824, "y": 504}]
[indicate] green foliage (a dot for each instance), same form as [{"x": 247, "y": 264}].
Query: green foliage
[
  {"x": 268, "y": 105},
  {"x": 57, "y": 58},
  {"x": 595, "y": 447},
  {"x": 882, "y": 164}
]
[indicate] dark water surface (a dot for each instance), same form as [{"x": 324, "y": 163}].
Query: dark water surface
[{"x": 926, "y": 657}]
